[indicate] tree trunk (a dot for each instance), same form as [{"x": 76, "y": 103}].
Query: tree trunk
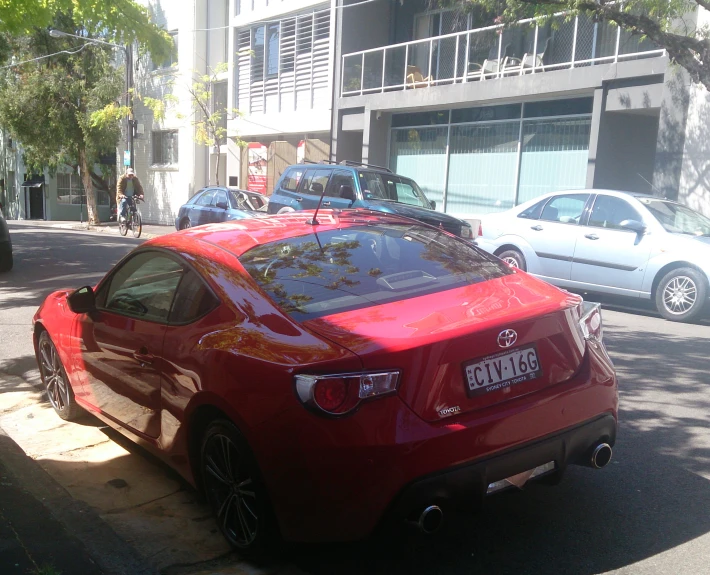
[
  {"x": 216, "y": 175},
  {"x": 92, "y": 212}
]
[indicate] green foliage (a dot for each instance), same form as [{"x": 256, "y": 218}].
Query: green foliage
[{"x": 115, "y": 20}]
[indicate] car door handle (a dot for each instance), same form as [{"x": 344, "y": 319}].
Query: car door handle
[
  {"x": 143, "y": 356},
  {"x": 326, "y": 203},
  {"x": 537, "y": 228},
  {"x": 591, "y": 236},
  {"x": 299, "y": 199}
]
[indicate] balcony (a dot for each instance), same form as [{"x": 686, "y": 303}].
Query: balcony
[{"x": 528, "y": 47}]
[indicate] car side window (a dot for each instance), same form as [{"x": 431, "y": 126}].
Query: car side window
[
  {"x": 315, "y": 181},
  {"x": 220, "y": 196},
  {"x": 205, "y": 199},
  {"x": 337, "y": 180},
  {"x": 292, "y": 179},
  {"x": 609, "y": 212},
  {"x": 566, "y": 209},
  {"x": 406, "y": 194},
  {"x": 143, "y": 287},
  {"x": 192, "y": 301},
  {"x": 534, "y": 211}
]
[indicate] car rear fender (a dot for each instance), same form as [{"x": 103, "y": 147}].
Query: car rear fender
[
  {"x": 511, "y": 241},
  {"x": 660, "y": 265}
]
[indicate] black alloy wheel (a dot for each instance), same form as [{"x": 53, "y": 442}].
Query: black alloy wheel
[
  {"x": 185, "y": 223},
  {"x": 54, "y": 377},
  {"x": 235, "y": 491}
]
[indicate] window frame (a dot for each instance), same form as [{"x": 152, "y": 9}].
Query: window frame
[
  {"x": 186, "y": 266},
  {"x": 157, "y": 162},
  {"x": 584, "y": 214},
  {"x": 593, "y": 204}
]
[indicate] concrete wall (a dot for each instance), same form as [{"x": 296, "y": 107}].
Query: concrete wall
[{"x": 694, "y": 188}]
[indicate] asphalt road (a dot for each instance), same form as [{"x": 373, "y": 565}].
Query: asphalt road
[{"x": 646, "y": 513}]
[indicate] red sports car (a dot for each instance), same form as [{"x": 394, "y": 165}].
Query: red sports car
[{"x": 316, "y": 379}]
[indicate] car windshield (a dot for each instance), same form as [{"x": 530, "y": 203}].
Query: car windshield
[
  {"x": 392, "y": 188},
  {"x": 676, "y": 218},
  {"x": 334, "y": 271}
]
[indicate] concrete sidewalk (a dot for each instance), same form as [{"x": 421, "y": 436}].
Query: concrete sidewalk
[{"x": 149, "y": 230}]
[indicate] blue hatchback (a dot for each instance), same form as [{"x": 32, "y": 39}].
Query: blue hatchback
[
  {"x": 218, "y": 204},
  {"x": 351, "y": 185}
]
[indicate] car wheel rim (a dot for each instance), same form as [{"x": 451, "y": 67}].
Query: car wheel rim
[
  {"x": 231, "y": 490},
  {"x": 680, "y": 295},
  {"x": 511, "y": 261},
  {"x": 57, "y": 389}
]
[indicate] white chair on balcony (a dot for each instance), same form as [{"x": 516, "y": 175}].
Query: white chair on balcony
[
  {"x": 528, "y": 63},
  {"x": 490, "y": 67}
]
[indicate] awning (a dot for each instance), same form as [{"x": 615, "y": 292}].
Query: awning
[{"x": 33, "y": 183}]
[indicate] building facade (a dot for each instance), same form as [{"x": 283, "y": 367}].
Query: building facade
[{"x": 485, "y": 118}]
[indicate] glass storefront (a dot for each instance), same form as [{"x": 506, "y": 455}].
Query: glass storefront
[{"x": 497, "y": 156}]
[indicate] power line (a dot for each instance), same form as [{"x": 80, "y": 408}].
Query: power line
[{"x": 43, "y": 57}]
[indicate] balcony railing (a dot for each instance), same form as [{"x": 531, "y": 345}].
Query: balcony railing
[{"x": 528, "y": 47}]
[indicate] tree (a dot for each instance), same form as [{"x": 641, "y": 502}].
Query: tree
[
  {"x": 210, "y": 118},
  {"x": 65, "y": 109},
  {"x": 671, "y": 24}
]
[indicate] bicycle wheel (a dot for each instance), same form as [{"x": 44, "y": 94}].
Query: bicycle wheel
[
  {"x": 137, "y": 224},
  {"x": 122, "y": 224}
]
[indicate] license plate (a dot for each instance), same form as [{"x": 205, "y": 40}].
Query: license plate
[{"x": 502, "y": 370}]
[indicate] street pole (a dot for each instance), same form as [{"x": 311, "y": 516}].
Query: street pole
[{"x": 129, "y": 101}]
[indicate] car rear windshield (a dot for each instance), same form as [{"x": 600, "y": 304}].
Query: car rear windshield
[
  {"x": 329, "y": 272},
  {"x": 392, "y": 188}
]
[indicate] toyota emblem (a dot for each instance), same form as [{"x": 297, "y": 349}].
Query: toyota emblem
[{"x": 507, "y": 338}]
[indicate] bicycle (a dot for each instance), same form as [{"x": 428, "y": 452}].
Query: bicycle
[{"x": 133, "y": 220}]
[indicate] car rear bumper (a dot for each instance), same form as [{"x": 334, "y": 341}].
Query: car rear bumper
[{"x": 336, "y": 480}]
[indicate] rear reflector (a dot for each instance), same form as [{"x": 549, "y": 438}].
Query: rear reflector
[{"x": 339, "y": 394}]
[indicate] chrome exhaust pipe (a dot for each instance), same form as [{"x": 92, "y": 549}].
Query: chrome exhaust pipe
[
  {"x": 601, "y": 456},
  {"x": 431, "y": 519}
]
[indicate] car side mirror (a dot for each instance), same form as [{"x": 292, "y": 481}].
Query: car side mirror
[
  {"x": 222, "y": 205},
  {"x": 82, "y": 300},
  {"x": 634, "y": 226},
  {"x": 347, "y": 192},
  {"x": 432, "y": 203}
]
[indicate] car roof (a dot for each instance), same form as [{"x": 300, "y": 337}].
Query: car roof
[
  {"x": 349, "y": 166},
  {"x": 240, "y": 236}
]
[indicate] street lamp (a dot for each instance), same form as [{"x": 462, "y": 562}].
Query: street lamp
[{"x": 129, "y": 78}]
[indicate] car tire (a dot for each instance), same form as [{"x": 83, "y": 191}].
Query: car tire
[
  {"x": 55, "y": 380},
  {"x": 286, "y": 210},
  {"x": 681, "y": 294},
  {"x": 236, "y": 492},
  {"x": 6, "y": 261},
  {"x": 185, "y": 223},
  {"x": 514, "y": 258}
]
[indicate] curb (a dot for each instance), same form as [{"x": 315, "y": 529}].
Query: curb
[{"x": 100, "y": 229}]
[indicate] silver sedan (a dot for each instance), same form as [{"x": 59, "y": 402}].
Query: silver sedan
[{"x": 610, "y": 242}]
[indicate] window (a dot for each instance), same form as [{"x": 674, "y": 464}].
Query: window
[
  {"x": 143, "y": 287},
  {"x": 533, "y": 212},
  {"x": 338, "y": 179},
  {"x": 272, "y": 51},
  {"x": 609, "y": 212},
  {"x": 406, "y": 194},
  {"x": 193, "y": 300},
  {"x": 219, "y": 103},
  {"x": 70, "y": 189},
  {"x": 291, "y": 179},
  {"x": 315, "y": 182},
  {"x": 205, "y": 199},
  {"x": 165, "y": 147},
  {"x": 257, "y": 56},
  {"x": 677, "y": 219},
  {"x": 362, "y": 266},
  {"x": 375, "y": 186},
  {"x": 172, "y": 59},
  {"x": 566, "y": 209}
]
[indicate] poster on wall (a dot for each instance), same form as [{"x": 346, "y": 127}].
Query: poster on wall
[
  {"x": 257, "y": 157},
  {"x": 301, "y": 152}
]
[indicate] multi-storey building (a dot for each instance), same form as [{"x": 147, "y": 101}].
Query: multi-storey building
[{"x": 485, "y": 117}]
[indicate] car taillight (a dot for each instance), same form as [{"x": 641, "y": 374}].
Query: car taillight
[
  {"x": 480, "y": 230},
  {"x": 590, "y": 321},
  {"x": 340, "y": 394}
]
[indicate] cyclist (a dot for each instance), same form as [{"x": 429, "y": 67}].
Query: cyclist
[{"x": 129, "y": 187}]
